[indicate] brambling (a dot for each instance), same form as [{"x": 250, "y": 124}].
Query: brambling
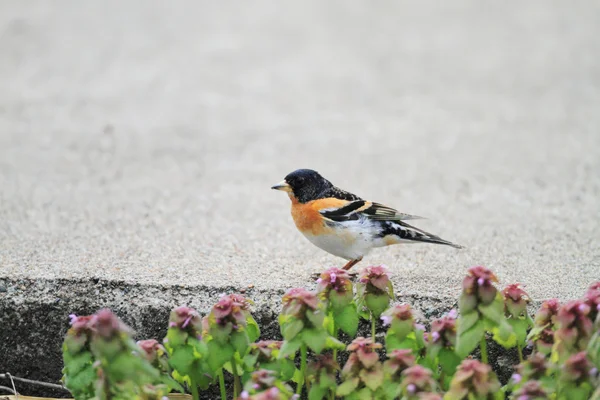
[{"x": 342, "y": 223}]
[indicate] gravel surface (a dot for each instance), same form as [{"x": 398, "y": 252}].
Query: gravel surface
[{"x": 138, "y": 143}]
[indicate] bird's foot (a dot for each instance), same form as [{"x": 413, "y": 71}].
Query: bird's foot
[{"x": 351, "y": 263}]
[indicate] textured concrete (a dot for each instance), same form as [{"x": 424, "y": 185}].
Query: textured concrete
[{"x": 138, "y": 143}]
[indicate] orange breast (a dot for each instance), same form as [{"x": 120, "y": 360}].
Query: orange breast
[{"x": 307, "y": 217}]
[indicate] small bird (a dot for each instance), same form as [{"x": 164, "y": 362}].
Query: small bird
[{"x": 342, "y": 223}]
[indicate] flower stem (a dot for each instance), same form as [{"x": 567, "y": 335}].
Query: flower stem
[
  {"x": 303, "y": 352},
  {"x": 483, "y": 348},
  {"x": 194, "y": 388},
  {"x": 236, "y": 378},
  {"x": 222, "y": 385},
  {"x": 520, "y": 352},
  {"x": 335, "y": 335},
  {"x": 373, "y": 327}
]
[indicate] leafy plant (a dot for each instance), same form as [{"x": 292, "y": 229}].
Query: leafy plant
[
  {"x": 481, "y": 310},
  {"x": 362, "y": 375},
  {"x": 373, "y": 293},
  {"x": 103, "y": 362},
  {"x": 188, "y": 352},
  {"x": 441, "y": 355},
  {"x": 474, "y": 380},
  {"x": 302, "y": 322},
  {"x": 228, "y": 331}
]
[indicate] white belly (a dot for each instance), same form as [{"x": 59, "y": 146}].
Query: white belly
[{"x": 350, "y": 240}]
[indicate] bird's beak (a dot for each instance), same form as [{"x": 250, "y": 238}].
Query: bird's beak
[{"x": 283, "y": 185}]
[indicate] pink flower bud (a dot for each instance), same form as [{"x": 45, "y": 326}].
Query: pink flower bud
[{"x": 584, "y": 308}]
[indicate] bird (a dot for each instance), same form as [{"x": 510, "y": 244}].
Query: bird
[{"x": 343, "y": 224}]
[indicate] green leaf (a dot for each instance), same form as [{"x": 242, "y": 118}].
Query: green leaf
[
  {"x": 329, "y": 323},
  {"x": 291, "y": 329},
  {"x": 252, "y": 329},
  {"x": 298, "y": 377},
  {"x": 250, "y": 361},
  {"x": 365, "y": 394},
  {"x": 467, "y": 320},
  {"x": 105, "y": 349},
  {"x": 504, "y": 335},
  {"x": 419, "y": 339},
  {"x": 347, "y": 387},
  {"x": 272, "y": 366},
  {"x": 326, "y": 380},
  {"x": 218, "y": 355},
  {"x": 221, "y": 333},
  {"x": 175, "y": 338},
  {"x": 240, "y": 342},
  {"x": 519, "y": 327},
  {"x": 333, "y": 343},
  {"x": 535, "y": 331},
  {"x": 449, "y": 361},
  {"x": 493, "y": 311},
  {"x": 372, "y": 379},
  {"x": 172, "y": 384},
  {"x": 347, "y": 319},
  {"x": 78, "y": 362},
  {"x": 315, "y": 339},
  {"x": 203, "y": 376},
  {"x": 340, "y": 300},
  {"x": 573, "y": 392},
  {"x": 199, "y": 347},
  {"x": 316, "y": 317},
  {"x": 390, "y": 287},
  {"x": 377, "y": 304},
  {"x": 393, "y": 343},
  {"x": 287, "y": 369},
  {"x": 401, "y": 328},
  {"x": 392, "y": 390},
  {"x": 316, "y": 392},
  {"x": 467, "y": 341},
  {"x": 82, "y": 381},
  {"x": 181, "y": 360},
  {"x": 467, "y": 303},
  {"x": 290, "y": 347}
]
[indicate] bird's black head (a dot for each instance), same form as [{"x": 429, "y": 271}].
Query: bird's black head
[{"x": 305, "y": 185}]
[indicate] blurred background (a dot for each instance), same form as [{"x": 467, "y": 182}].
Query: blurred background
[{"x": 139, "y": 140}]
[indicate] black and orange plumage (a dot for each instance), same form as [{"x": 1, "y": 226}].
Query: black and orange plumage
[{"x": 344, "y": 224}]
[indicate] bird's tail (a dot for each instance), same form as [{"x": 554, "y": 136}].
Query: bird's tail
[{"x": 408, "y": 232}]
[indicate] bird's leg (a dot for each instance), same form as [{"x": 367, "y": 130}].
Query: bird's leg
[{"x": 351, "y": 263}]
